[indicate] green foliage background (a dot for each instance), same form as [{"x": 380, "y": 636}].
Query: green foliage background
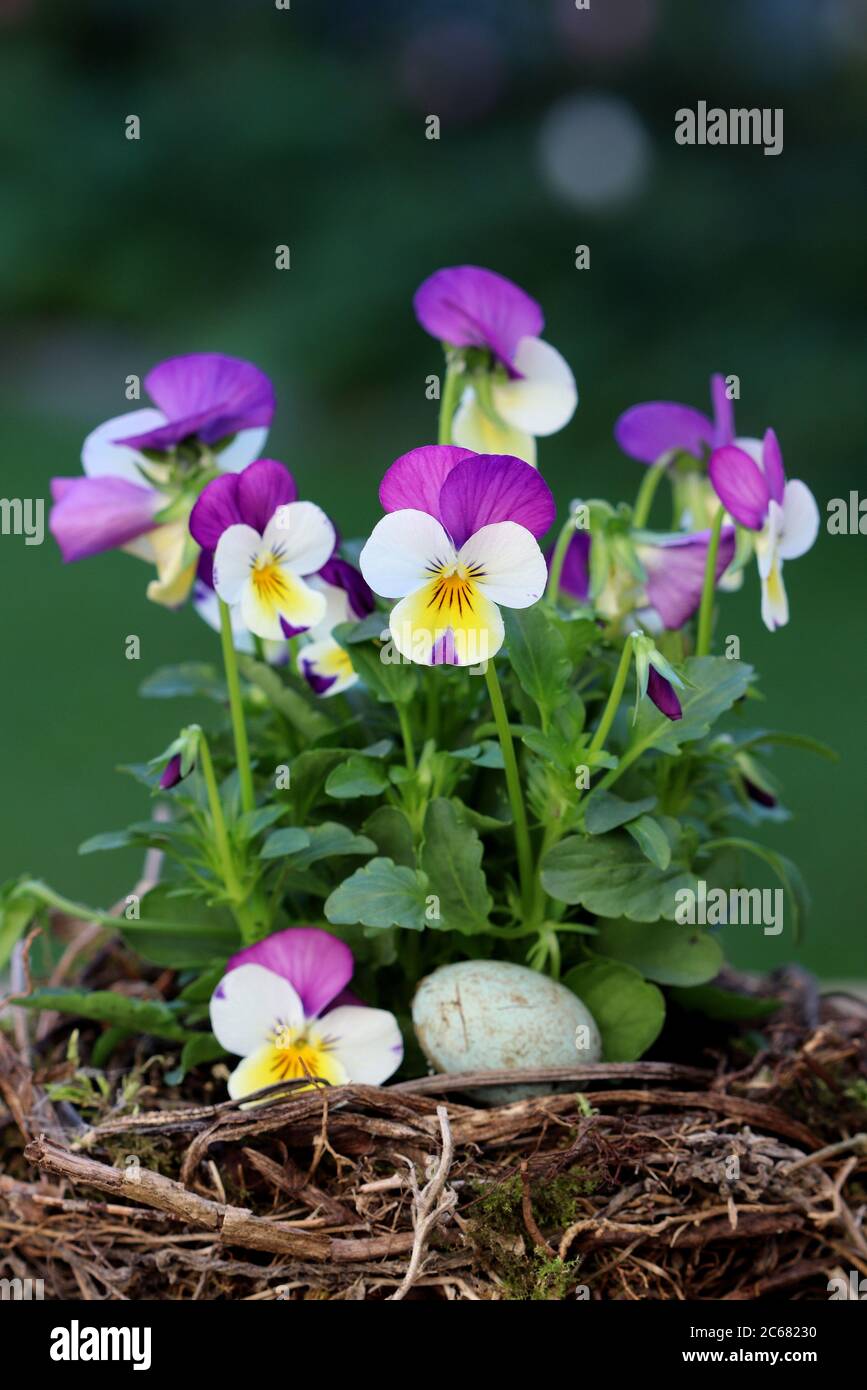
[{"x": 306, "y": 127}]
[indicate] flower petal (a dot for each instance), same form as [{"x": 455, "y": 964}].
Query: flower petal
[
  {"x": 740, "y": 485},
  {"x": 476, "y": 431},
  {"x": 495, "y": 487},
  {"x": 366, "y": 1042},
  {"x": 772, "y": 466},
  {"x": 468, "y": 306},
  {"x": 268, "y": 1065},
  {"x": 800, "y": 525},
  {"x": 543, "y": 398},
  {"x": 663, "y": 695},
  {"x": 402, "y": 551},
  {"x": 263, "y": 487},
  {"x": 675, "y": 567},
  {"x": 208, "y": 395},
  {"x": 648, "y": 431},
  {"x": 244, "y": 447},
  {"x": 91, "y": 515},
  {"x": 275, "y": 602},
  {"x": 436, "y": 630},
  {"x": 316, "y": 964},
  {"x": 575, "y": 575},
  {"x": 326, "y": 667},
  {"x": 102, "y": 456},
  {"x": 723, "y": 412},
  {"x": 299, "y": 535},
  {"x": 250, "y": 1003},
  {"x": 775, "y": 604},
  {"x": 413, "y": 482},
  {"x": 339, "y": 574},
  {"x": 215, "y": 510},
  {"x": 236, "y": 553},
  {"x": 506, "y": 563}
]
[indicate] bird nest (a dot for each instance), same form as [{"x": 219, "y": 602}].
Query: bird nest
[{"x": 644, "y": 1180}]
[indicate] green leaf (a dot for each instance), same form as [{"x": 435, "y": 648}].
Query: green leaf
[
  {"x": 451, "y": 857},
  {"x": 312, "y": 723},
  {"x": 579, "y": 636},
  {"x": 358, "y": 776},
  {"x": 190, "y": 934},
  {"x": 651, "y": 839},
  {"x": 381, "y": 894},
  {"x": 331, "y": 841},
  {"x": 604, "y": 811},
  {"x": 664, "y": 952},
  {"x": 152, "y": 1016},
  {"x": 288, "y": 840},
  {"x": 537, "y": 653},
  {"x": 146, "y": 833},
  {"x": 609, "y": 875},
  {"x": 484, "y": 754},
  {"x": 629, "y": 1011},
  {"x": 17, "y": 910},
  {"x": 307, "y": 776},
  {"x": 788, "y": 873},
  {"x": 760, "y": 738},
  {"x": 725, "y": 1005},
  {"x": 252, "y": 823},
  {"x": 200, "y": 989},
  {"x": 714, "y": 684},
  {"x": 392, "y": 680},
  {"x": 392, "y": 832},
  {"x": 189, "y": 680},
  {"x": 197, "y": 1050}
]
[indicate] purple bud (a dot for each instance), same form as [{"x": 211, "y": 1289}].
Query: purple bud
[
  {"x": 171, "y": 773},
  {"x": 663, "y": 695}
]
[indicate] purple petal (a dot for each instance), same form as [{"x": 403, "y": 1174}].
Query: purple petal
[
  {"x": 443, "y": 651},
  {"x": 216, "y": 510},
  {"x": 313, "y": 961},
  {"x": 91, "y": 515},
  {"x": 289, "y": 631},
  {"x": 171, "y": 773},
  {"x": 575, "y": 575},
  {"x": 470, "y": 307},
  {"x": 494, "y": 487},
  {"x": 773, "y": 467},
  {"x": 318, "y": 684},
  {"x": 740, "y": 485},
  {"x": 263, "y": 487},
  {"x": 648, "y": 431},
  {"x": 415, "y": 480},
  {"x": 758, "y": 794},
  {"x": 723, "y": 412},
  {"x": 205, "y": 569},
  {"x": 663, "y": 695},
  {"x": 346, "y": 577},
  {"x": 675, "y": 568},
  {"x": 207, "y": 395}
]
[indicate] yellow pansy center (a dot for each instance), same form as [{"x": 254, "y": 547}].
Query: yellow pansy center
[
  {"x": 269, "y": 581},
  {"x": 453, "y": 592},
  {"x": 298, "y": 1053}
]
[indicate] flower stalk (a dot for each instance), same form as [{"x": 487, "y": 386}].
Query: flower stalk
[
  {"x": 513, "y": 786},
  {"x": 705, "y": 612},
  {"x": 236, "y": 708}
]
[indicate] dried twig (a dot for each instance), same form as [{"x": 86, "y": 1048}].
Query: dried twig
[{"x": 430, "y": 1204}]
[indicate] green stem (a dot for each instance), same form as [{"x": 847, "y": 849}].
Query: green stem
[
  {"x": 513, "y": 785},
  {"x": 449, "y": 399},
  {"x": 559, "y": 557},
  {"x": 646, "y": 493},
  {"x": 221, "y": 837},
  {"x": 406, "y": 734},
  {"x": 239, "y": 729},
  {"x": 705, "y": 612},
  {"x": 42, "y": 893},
  {"x": 614, "y": 699}
]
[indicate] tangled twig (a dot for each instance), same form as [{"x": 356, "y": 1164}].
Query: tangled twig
[{"x": 430, "y": 1204}]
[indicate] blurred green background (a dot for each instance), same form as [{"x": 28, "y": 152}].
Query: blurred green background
[{"x": 306, "y": 126}]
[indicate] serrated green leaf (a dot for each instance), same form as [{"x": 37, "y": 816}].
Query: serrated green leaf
[
  {"x": 537, "y": 653},
  {"x": 651, "y": 839},
  {"x": 381, "y": 894},
  {"x": 358, "y": 776},
  {"x": 451, "y": 856},
  {"x": 179, "y": 931},
  {"x": 664, "y": 951},
  {"x": 331, "y": 841},
  {"x": 609, "y": 875},
  {"x": 151, "y": 1016},
  {"x": 628, "y": 1011},
  {"x": 290, "y": 839},
  {"x": 392, "y": 832},
  {"x": 603, "y": 811},
  {"x": 191, "y": 679}
]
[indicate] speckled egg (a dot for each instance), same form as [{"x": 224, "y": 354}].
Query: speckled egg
[{"x": 487, "y": 1015}]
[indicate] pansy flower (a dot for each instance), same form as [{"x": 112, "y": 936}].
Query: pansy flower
[
  {"x": 656, "y": 678},
  {"x": 141, "y": 469},
  {"x": 673, "y": 566},
  {"x": 459, "y": 540},
  {"x": 324, "y": 664},
  {"x": 265, "y": 545},
  {"x": 530, "y": 391},
  {"x": 651, "y": 431},
  {"x": 280, "y": 1007},
  {"x": 750, "y": 481}
]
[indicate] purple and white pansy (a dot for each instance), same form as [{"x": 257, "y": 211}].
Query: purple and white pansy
[
  {"x": 529, "y": 390},
  {"x": 324, "y": 664},
  {"x": 281, "y": 1006},
  {"x": 141, "y": 469},
  {"x": 460, "y": 539},
  {"x": 656, "y": 430},
  {"x": 674, "y": 567},
  {"x": 750, "y": 480},
  {"x": 265, "y": 545}
]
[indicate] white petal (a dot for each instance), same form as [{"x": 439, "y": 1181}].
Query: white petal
[
  {"x": 329, "y": 661},
  {"x": 337, "y": 607},
  {"x": 544, "y": 400},
  {"x": 775, "y": 604},
  {"x": 506, "y": 563},
  {"x": 234, "y": 557},
  {"x": 367, "y": 1042},
  {"x": 301, "y": 536},
  {"x": 754, "y": 447},
  {"x": 245, "y": 448},
  {"x": 248, "y": 1005},
  {"x": 473, "y": 429},
  {"x": 101, "y": 457},
  {"x": 800, "y": 520},
  {"x": 402, "y": 551}
]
